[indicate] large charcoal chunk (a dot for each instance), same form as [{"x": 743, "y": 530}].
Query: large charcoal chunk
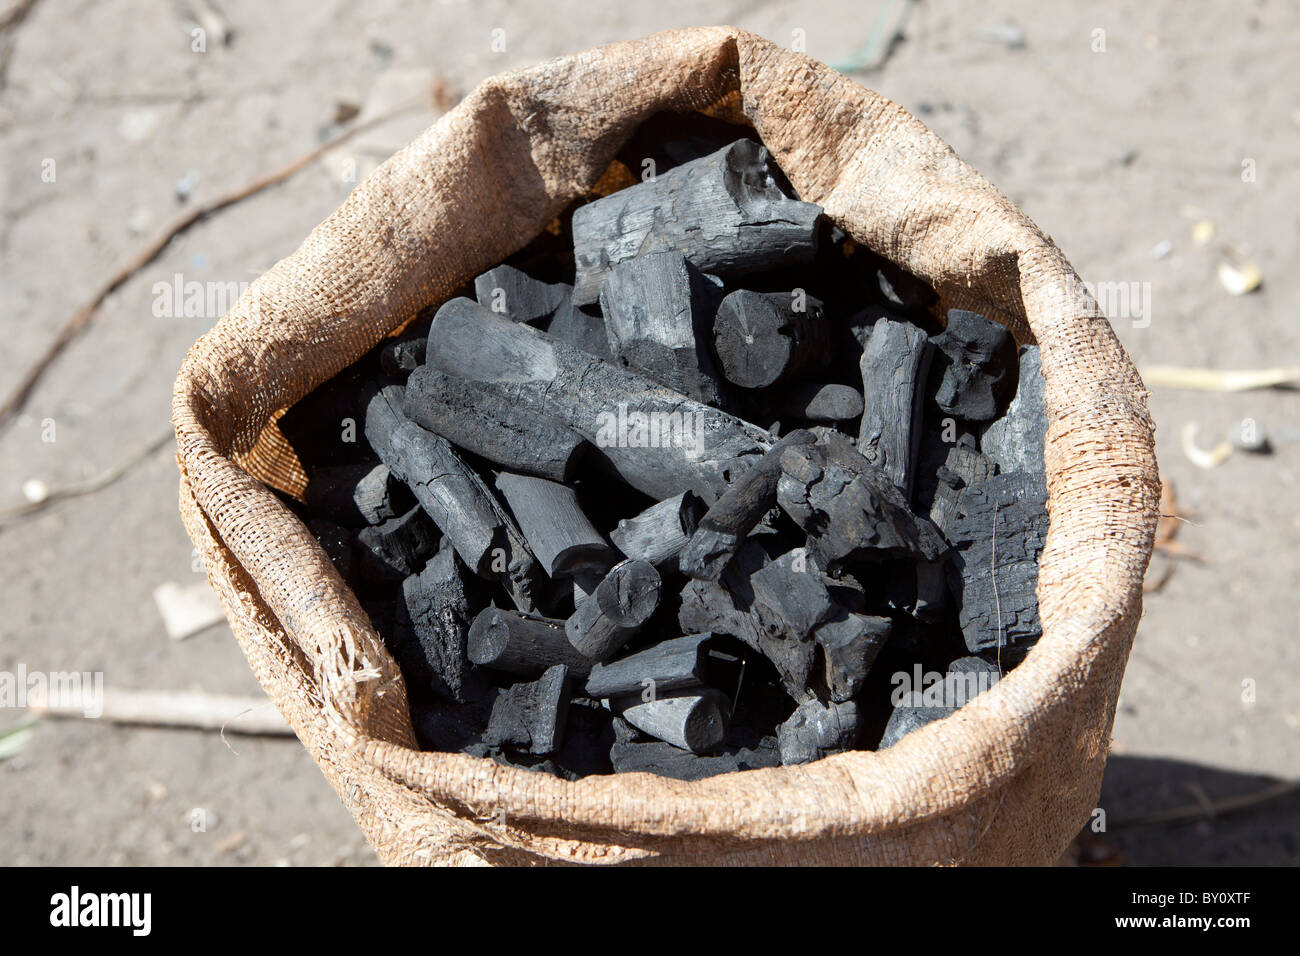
[
  {"x": 769, "y": 338},
  {"x": 946, "y": 470},
  {"x": 849, "y": 507},
  {"x": 1015, "y": 441},
  {"x": 431, "y": 627},
  {"x": 513, "y": 293},
  {"x": 816, "y": 730},
  {"x": 398, "y": 547},
  {"x": 725, "y": 211},
  {"x": 993, "y": 570},
  {"x": 358, "y": 494},
  {"x": 659, "y": 312},
  {"x": 894, "y": 367},
  {"x": 979, "y": 367},
  {"x": 531, "y": 716}
]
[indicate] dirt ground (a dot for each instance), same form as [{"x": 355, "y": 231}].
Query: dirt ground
[{"x": 109, "y": 116}]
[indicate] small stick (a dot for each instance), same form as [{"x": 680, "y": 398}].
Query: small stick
[{"x": 160, "y": 708}]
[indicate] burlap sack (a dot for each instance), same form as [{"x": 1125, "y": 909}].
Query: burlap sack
[{"x": 1009, "y": 779}]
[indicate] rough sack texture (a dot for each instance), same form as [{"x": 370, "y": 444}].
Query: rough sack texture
[{"x": 1008, "y": 779}]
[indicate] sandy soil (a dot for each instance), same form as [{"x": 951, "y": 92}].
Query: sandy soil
[{"x": 1106, "y": 150}]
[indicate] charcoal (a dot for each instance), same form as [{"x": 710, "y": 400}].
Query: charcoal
[
  {"x": 730, "y": 606},
  {"x": 398, "y": 548},
  {"x": 554, "y": 525},
  {"x": 431, "y": 627},
  {"x": 619, "y": 606},
  {"x": 450, "y": 728},
  {"x": 522, "y": 644},
  {"x": 530, "y": 716},
  {"x": 623, "y": 413},
  {"x": 894, "y": 367},
  {"x": 582, "y": 327},
  {"x": 661, "y": 532},
  {"x": 355, "y": 495},
  {"x": 911, "y": 715},
  {"x": 588, "y": 737},
  {"x": 669, "y": 665},
  {"x": 764, "y": 339},
  {"x": 817, "y": 730},
  {"x": 725, "y": 211},
  {"x": 968, "y": 677},
  {"x": 849, "y": 507},
  {"x": 1003, "y": 517},
  {"x": 1015, "y": 441},
  {"x": 634, "y": 752},
  {"x": 727, "y": 522},
  {"x": 978, "y": 367},
  {"x": 518, "y": 296},
  {"x": 460, "y": 503},
  {"x": 658, "y": 312},
  {"x": 850, "y": 642},
  {"x": 400, "y": 359},
  {"x": 481, "y": 419},
  {"x": 946, "y": 469},
  {"x": 819, "y": 403},
  {"x": 694, "y": 719}
]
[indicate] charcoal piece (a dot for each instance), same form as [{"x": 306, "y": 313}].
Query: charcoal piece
[
  {"x": 486, "y": 538},
  {"x": 382, "y": 403},
  {"x": 978, "y": 366},
  {"x": 850, "y": 642},
  {"x": 659, "y": 442},
  {"x": 481, "y": 419},
  {"x": 338, "y": 543},
  {"x": 725, "y": 211},
  {"x": 729, "y": 606},
  {"x": 398, "y": 547},
  {"x": 665, "y": 760},
  {"x": 531, "y": 716},
  {"x": 522, "y": 644},
  {"x": 518, "y": 296},
  {"x": 1004, "y": 517},
  {"x": 895, "y": 364},
  {"x": 967, "y": 678},
  {"x": 911, "y": 714},
  {"x": 790, "y": 595},
  {"x": 661, "y": 532},
  {"x": 769, "y": 338},
  {"x": 694, "y": 719},
  {"x": 733, "y": 516},
  {"x": 818, "y": 403},
  {"x": 431, "y": 628},
  {"x": 946, "y": 469},
  {"x": 849, "y": 507},
  {"x": 670, "y": 665},
  {"x": 400, "y": 359},
  {"x": 658, "y": 312},
  {"x": 816, "y": 730},
  {"x": 1015, "y": 441},
  {"x": 554, "y": 525},
  {"x": 620, "y": 605},
  {"x": 357, "y": 494},
  {"x": 582, "y": 328}
]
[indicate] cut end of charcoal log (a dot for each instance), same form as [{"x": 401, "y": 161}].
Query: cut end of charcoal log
[
  {"x": 622, "y": 602},
  {"x": 763, "y": 339},
  {"x": 694, "y": 722}
]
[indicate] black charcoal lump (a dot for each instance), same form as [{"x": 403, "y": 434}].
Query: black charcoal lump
[{"x": 978, "y": 367}]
